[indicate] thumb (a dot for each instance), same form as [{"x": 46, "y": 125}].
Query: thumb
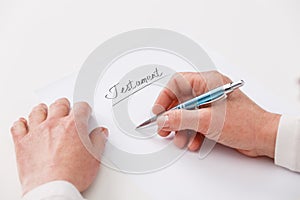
[
  {"x": 176, "y": 120},
  {"x": 98, "y": 139}
]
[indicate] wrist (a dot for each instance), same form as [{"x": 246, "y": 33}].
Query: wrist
[
  {"x": 266, "y": 138},
  {"x": 52, "y": 189},
  {"x": 40, "y": 177},
  {"x": 32, "y": 183}
]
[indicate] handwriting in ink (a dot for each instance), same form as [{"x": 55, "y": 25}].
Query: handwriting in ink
[{"x": 131, "y": 85}]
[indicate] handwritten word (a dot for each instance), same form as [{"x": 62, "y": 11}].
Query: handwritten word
[{"x": 131, "y": 85}]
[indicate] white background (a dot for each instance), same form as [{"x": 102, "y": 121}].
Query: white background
[{"x": 42, "y": 41}]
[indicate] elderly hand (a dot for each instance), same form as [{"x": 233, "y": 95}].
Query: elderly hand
[
  {"x": 49, "y": 145},
  {"x": 247, "y": 127}
]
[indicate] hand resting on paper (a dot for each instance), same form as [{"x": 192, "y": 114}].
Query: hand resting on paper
[
  {"x": 247, "y": 127},
  {"x": 49, "y": 147}
]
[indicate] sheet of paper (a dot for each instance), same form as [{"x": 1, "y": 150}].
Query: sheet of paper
[{"x": 224, "y": 174}]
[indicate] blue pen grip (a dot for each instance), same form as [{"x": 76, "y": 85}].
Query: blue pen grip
[{"x": 202, "y": 99}]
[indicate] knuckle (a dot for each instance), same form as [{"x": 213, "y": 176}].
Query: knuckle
[
  {"x": 15, "y": 126},
  {"x": 62, "y": 100},
  {"x": 62, "y": 106},
  {"x": 59, "y": 106},
  {"x": 226, "y": 79},
  {"x": 62, "y": 126},
  {"x": 16, "y": 129},
  {"x": 41, "y": 108},
  {"x": 165, "y": 92},
  {"x": 175, "y": 79},
  {"x": 221, "y": 76},
  {"x": 13, "y": 130},
  {"x": 31, "y": 115},
  {"x": 198, "y": 86},
  {"x": 62, "y": 103},
  {"x": 215, "y": 72},
  {"x": 174, "y": 76},
  {"x": 84, "y": 106}
]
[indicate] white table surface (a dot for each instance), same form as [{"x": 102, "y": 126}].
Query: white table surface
[{"x": 42, "y": 41}]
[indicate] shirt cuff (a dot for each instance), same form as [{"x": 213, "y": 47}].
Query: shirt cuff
[
  {"x": 287, "y": 150},
  {"x": 54, "y": 190}
]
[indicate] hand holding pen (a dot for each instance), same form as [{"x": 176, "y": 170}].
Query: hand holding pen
[
  {"x": 243, "y": 124},
  {"x": 209, "y": 97}
]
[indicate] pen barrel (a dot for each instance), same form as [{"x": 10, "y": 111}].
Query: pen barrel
[{"x": 202, "y": 99}]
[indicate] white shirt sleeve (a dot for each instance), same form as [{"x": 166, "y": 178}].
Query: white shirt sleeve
[
  {"x": 55, "y": 190},
  {"x": 287, "y": 150}
]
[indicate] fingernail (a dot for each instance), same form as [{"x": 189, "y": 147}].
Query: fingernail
[
  {"x": 163, "y": 121},
  {"x": 104, "y": 131},
  {"x": 22, "y": 119}
]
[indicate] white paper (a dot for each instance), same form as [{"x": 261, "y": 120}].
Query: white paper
[{"x": 224, "y": 174}]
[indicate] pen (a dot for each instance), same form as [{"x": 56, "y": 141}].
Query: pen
[{"x": 206, "y": 98}]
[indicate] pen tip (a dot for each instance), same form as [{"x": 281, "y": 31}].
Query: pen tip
[
  {"x": 139, "y": 126},
  {"x": 144, "y": 124}
]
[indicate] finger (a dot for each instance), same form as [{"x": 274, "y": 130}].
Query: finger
[
  {"x": 175, "y": 120},
  {"x": 158, "y": 109},
  {"x": 163, "y": 133},
  {"x": 59, "y": 108},
  {"x": 196, "y": 142},
  {"x": 177, "y": 84},
  {"x": 98, "y": 138},
  {"x": 181, "y": 87},
  {"x": 19, "y": 129},
  {"x": 181, "y": 138},
  {"x": 38, "y": 115},
  {"x": 81, "y": 113},
  {"x": 173, "y": 104},
  {"x": 164, "y": 100}
]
